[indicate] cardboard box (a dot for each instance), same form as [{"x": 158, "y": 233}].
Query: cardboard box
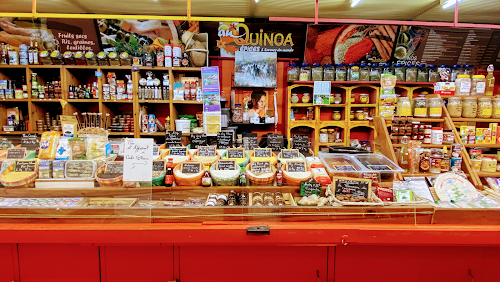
[
  {"x": 483, "y": 136},
  {"x": 494, "y": 130}
]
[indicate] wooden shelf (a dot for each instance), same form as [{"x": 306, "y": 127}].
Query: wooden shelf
[
  {"x": 425, "y": 145},
  {"x": 247, "y": 123},
  {"x": 187, "y": 102},
  {"x": 44, "y": 66},
  {"x": 369, "y": 82},
  {"x": 82, "y": 67},
  {"x": 429, "y": 119},
  {"x": 50, "y": 100},
  {"x": 117, "y": 101},
  {"x": 302, "y": 105},
  {"x": 476, "y": 119},
  {"x": 363, "y": 105},
  {"x": 155, "y": 101},
  {"x": 334, "y": 106},
  {"x": 14, "y": 132},
  {"x": 121, "y": 133},
  {"x": 488, "y": 174},
  {"x": 82, "y": 100},
  {"x": 153, "y": 134},
  {"x": 418, "y": 174},
  {"x": 482, "y": 145},
  {"x": 186, "y": 69},
  {"x": 14, "y": 100}
]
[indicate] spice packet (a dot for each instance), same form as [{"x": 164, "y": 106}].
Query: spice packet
[
  {"x": 45, "y": 169},
  {"x": 77, "y": 145},
  {"x": 58, "y": 169}
]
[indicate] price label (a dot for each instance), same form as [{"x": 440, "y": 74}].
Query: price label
[
  {"x": 198, "y": 140},
  {"x": 356, "y": 187},
  {"x": 379, "y": 167},
  {"x": 344, "y": 168},
  {"x": 16, "y": 153},
  {"x": 260, "y": 167},
  {"x": 307, "y": 188},
  {"x": 159, "y": 165},
  {"x": 173, "y": 138},
  {"x": 178, "y": 151},
  {"x": 190, "y": 168},
  {"x": 226, "y": 165},
  {"x": 114, "y": 167},
  {"x": 276, "y": 142},
  {"x": 30, "y": 142},
  {"x": 290, "y": 154},
  {"x": 250, "y": 141},
  {"x": 301, "y": 143},
  {"x": 206, "y": 151},
  {"x": 263, "y": 153},
  {"x": 25, "y": 166},
  {"x": 224, "y": 139},
  {"x": 235, "y": 153},
  {"x": 295, "y": 166}
]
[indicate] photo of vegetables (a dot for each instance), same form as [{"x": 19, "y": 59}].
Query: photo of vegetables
[{"x": 349, "y": 43}]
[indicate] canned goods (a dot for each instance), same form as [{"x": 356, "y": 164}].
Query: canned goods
[
  {"x": 151, "y": 119},
  {"x": 152, "y": 127},
  {"x": 145, "y": 118},
  {"x": 145, "y": 127}
]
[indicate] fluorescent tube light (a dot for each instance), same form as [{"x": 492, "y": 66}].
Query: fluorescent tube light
[
  {"x": 449, "y": 3},
  {"x": 355, "y": 2}
]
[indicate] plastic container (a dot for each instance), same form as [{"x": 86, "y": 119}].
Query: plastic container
[
  {"x": 353, "y": 72},
  {"x": 341, "y": 165},
  {"x": 496, "y": 108},
  {"x": 484, "y": 108},
  {"x": 437, "y": 136},
  {"x": 454, "y": 107},
  {"x": 433, "y": 73},
  {"x": 411, "y": 73},
  {"x": 374, "y": 72},
  {"x": 293, "y": 72},
  {"x": 380, "y": 164},
  {"x": 420, "y": 107},
  {"x": 422, "y": 73},
  {"x": 455, "y": 71},
  {"x": 462, "y": 85},
  {"x": 387, "y": 68},
  {"x": 340, "y": 72},
  {"x": 435, "y": 106},
  {"x": 305, "y": 72},
  {"x": 478, "y": 85},
  {"x": 400, "y": 72},
  {"x": 183, "y": 125},
  {"x": 79, "y": 164},
  {"x": 469, "y": 107},
  {"x": 317, "y": 72},
  {"x": 323, "y": 136},
  {"x": 364, "y": 72}
]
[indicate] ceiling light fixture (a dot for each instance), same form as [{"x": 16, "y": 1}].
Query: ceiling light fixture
[
  {"x": 256, "y": 1},
  {"x": 449, "y": 3},
  {"x": 355, "y": 2}
]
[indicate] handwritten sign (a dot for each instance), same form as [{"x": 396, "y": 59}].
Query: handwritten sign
[
  {"x": 190, "y": 167},
  {"x": 276, "y": 142},
  {"x": 263, "y": 153},
  {"x": 159, "y": 165},
  {"x": 30, "y": 142},
  {"x": 296, "y": 166},
  {"x": 301, "y": 143},
  {"x": 178, "y": 151},
  {"x": 290, "y": 154},
  {"x": 198, "y": 140},
  {"x": 250, "y": 141},
  {"x": 16, "y": 153},
  {"x": 226, "y": 165},
  {"x": 138, "y": 159},
  {"x": 80, "y": 169},
  {"x": 356, "y": 187},
  {"x": 25, "y": 166},
  {"x": 235, "y": 153},
  {"x": 114, "y": 167},
  {"x": 344, "y": 168},
  {"x": 379, "y": 167},
  {"x": 307, "y": 188},
  {"x": 206, "y": 151},
  {"x": 224, "y": 139},
  {"x": 173, "y": 139},
  {"x": 261, "y": 167}
]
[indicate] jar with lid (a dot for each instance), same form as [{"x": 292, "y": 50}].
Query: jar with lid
[
  {"x": 340, "y": 72},
  {"x": 353, "y": 98},
  {"x": 360, "y": 115},
  {"x": 387, "y": 68},
  {"x": 469, "y": 107},
  {"x": 404, "y": 107},
  {"x": 353, "y": 72},
  {"x": 433, "y": 74},
  {"x": 422, "y": 73},
  {"x": 444, "y": 73},
  {"x": 469, "y": 69},
  {"x": 364, "y": 99},
  {"x": 337, "y": 99},
  {"x": 435, "y": 106},
  {"x": 478, "y": 85},
  {"x": 336, "y": 116},
  {"x": 437, "y": 136},
  {"x": 400, "y": 72},
  {"x": 331, "y": 135},
  {"x": 374, "y": 72},
  {"x": 293, "y": 72},
  {"x": 484, "y": 108},
  {"x": 306, "y": 98},
  {"x": 305, "y": 72},
  {"x": 317, "y": 72},
  {"x": 294, "y": 99},
  {"x": 462, "y": 85},
  {"x": 238, "y": 113},
  {"x": 455, "y": 71},
  {"x": 328, "y": 72},
  {"x": 420, "y": 107},
  {"x": 310, "y": 113},
  {"x": 455, "y": 107},
  {"x": 323, "y": 136},
  {"x": 496, "y": 107},
  {"x": 364, "y": 72},
  {"x": 351, "y": 115},
  {"x": 411, "y": 73},
  {"x": 366, "y": 113}
]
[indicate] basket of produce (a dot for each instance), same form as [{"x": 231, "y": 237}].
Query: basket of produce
[
  {"x": 176, "y": 157},
  {"x": 273, "y": 159},
  {"x": 19, "y": 179},
  {"x": 206, "y": 160},
  {"x": 242, "y": 162},
  {"x": 158, "y": 178},
  {"x": 225, "y": 177},
  {"x": 108, "y": 179},
  {"x": 260, "y": 179},
  {"x": 294, "y": 178},
  {"x": 188, "y": 179}
]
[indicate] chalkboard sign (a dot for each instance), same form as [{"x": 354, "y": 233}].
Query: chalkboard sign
[
  {"x": 173, "y": 139},
  {"x": 156, "y": 151},
  {"x": 224, "y": 139},
  {"x": 296, "y": 166},
  {"x": 190, "y": 167},
  {"x": 235, "y": 153},
  {"x": 114, "y": 167},
  {"x": 276, "y": 142},
  {"x": 379, "y": 167},
  {"x": 16, "y": 153},
  {"x": 344, "y": 168},
  {"x": 30, "y": 142},
  {"x": 290, "y": 154},
  {"x": 263, "y": 153},
  {"x": 178, "y": 151},
  {"x": 260, "y": 167},
  {"x": 307, "y": 188},
  {"x": 356, "y": 187},
  {"x": 250, "y": 141},
  {"x": 301, "y": 143},
  {"x": 198, "y": 140},
  {"x": 25, "y": 166},
  {"x": 159, "y": 165},
  {"x": 206, "y": 151},
  {"x": 226, "y": 165}
]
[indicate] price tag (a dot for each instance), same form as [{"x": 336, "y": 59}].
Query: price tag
[
  {"x": 296, "y": 166},
  {"x": 16, "y": 153},
  {"x": 178, "y": 151},
  {"x": 80, "y": 169},
  {"x": 263, "y": 153},
  {"x": 250, "y": 141},
  {"x": 379, "y": 167},
  {"x": 226, "y": 165},
  {"x": 344, "y": 168},
  {"x": 25, "y": 166},
  {"x": 173, "y": 139},
  {"x": 355, "y": 187},
  {"x": 198, "y": 140},
  {"x": 260, "y": 167},
  {"x": 114, "y": 167},
  {"x": 206, "y": 151},
  {"x": 307, "y": 188},
  {"x": 30, "y": 142},
  {"x": 290, "y": 154},
  {"x": 159, "y": 165},
  {"x": 235, "y": 153},
  {"x": 276, "y": 142},
  {"x": 190, "y": 168},
  {"x": 224, "y": 139},
  {"x": 301, "y": 143}
]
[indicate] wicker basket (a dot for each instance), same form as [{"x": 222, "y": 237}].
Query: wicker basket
[
  {"x": 209, "y": 163},
  {"x": 283, "y": 161},
  {"x": 111, "y": 182},
  {"x": 28, "y": 182},
  {"x": 243, "y": 164},
  {"x": 189, "y": 155},
  {"x": 290, "y": 181},
  {"x": 158, "y": 181},
  {"x": 256, "y": 180},
  {"x": 195, "y": 180},
  {"x": 274, "y": 159},
  {"x": 225, "y": 181}
]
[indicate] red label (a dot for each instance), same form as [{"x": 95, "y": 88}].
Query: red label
[{"x": 169, "y": 179}]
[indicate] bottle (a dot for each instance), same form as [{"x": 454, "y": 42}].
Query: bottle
[
  {"x": 193, "y": 90},
  {"x": 279, "y": 175},
  {"x": 187, "y": 91},
  {"x": 169, "y": 176},
  {"x": 30, "y": 53},
  {"x": 206, "y": 180},
  {"x": 34, "y": 82},
  {"x": 71, "y": 93},
  {"x": 445, "y": 162},
  {"x": 490, "y": 81},
  {"x": 87, "y": 92},
  {"x": 167, "y": 123},
  {"x": 403, "y": 158},
  {"x": 35, "y": 54},
  {"x": 243, "y": 179}
]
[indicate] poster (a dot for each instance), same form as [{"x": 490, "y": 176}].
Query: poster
[
  {"x": 211, "y": 100},
  {"x": 255, "y": 69}
]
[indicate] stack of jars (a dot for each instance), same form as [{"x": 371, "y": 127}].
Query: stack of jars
[{"x": 472, "y": 107}]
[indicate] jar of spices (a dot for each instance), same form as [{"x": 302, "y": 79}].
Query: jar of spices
[
  {"x": 323, "y": 136},
  {"x": 353, "y": 98},
  {"x": 374, "y": 72},
  {"x": 293, "y": 72},
  {"x": 340, "y": 72},
  {"x": 496, "y": 108},
  {"x": 462, "y": 85},
  {"x": 328, "y": 72},
  {"x": 310, "y": 113},
  {"x": 360, "y": 115},
  {"x": 257, "y": 199},
  {"x": 306, "y": 98},
  {"x": 435, "y": 106},
  {"x": 404, "y": 107},
  {"x": 352, "y": 72},
  {"x": 437, "y": 136},
  {"x": 364, "y": 99},
  {"x": 420, "y": 107},
  {"x": 399, "y": 71},
  {"x": 338, "y": 139},
  {"x": 366, "y": 113},
  {"x": 238, "y": 113},
  {"x": 338, "y": 98},
  {"x": 294, "y": 99},
  {"x": 444, "y": 73},
  {"x": 433, "y": 73},
  {"x": 351, "y": 115},
  {"x": 305, "y": 72},
  {"x": 484, "y": 108},
  {"x": 411, "y": 73},
  {"x": 331, "y": 135},
  {"x": 455, "y": 107},
  {"x": 336, "y": 116},
  {"x": 422, "y": 73},
  {"x": 478, "y": 85},
  {"x": 469, "y": 107},
  {"x": 455, "y": 71},
  {"x": 387, "y": 69},
  {"x": 364, "y": 72},
  {"x": 317, "y": 72},
  {"x": 469, "y": 70}
]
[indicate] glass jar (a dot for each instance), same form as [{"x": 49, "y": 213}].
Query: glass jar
[
  {"x": 455, "y": 71},
  {"x": 257, "y": 199},
  {"x": 293, "y": 72},
  {"x": 337, "y": 99},
  {"x": 400, "y": 72},
  {"x": 336, "y": 116},
  {"x": 353, "y": 72},
  {"x": 404, "y": 107},
  {"x": 444, "y": 73},
  {"x": 364, "y": 99},
  {"x": 484, "y": 108},
  {"x": 331, "y": 135},
  {"x": 340, "y": 72},
  {"x": 469, "y": 107},
  {"x": 323, "y": 136},
  {"x": 238, "y": 113},
  {"x": 420, "y": 107},
  {"x": 478, "y": 85},
  {"x": 496, "y": 108},
  {"x": 374, "y": 72},
  {"x": 462, "y": 85},
  {"x": 411, "y": 73},
  {"x": 366, "y": 113},
  {"x": 353, "y": 98},
  {"x": 306, "y": 98},
  {"x": 364, "y": 72},
  {"x": 317, "y": 72},
  {"x": 351, "y": 115},
  {"x": 455, "y": 107},
  {"x": 294, "y": 99},
  {"x": 310, "y": 113},
  {"x": 328, "y": 72},
  {"x": 433, "y": 73},
  {"x": 387, "y": 69},
  {"x": 305, "y": 72},
  {"x": 422, "y": 73},
  {"x": 435, "y": 106},
  {"x": 360, "y": 115},
  {"x": 469, "y": 69}
]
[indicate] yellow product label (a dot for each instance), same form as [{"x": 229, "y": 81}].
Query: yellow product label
[
  {"x": 436, "y": 111},
  {"x": 497, "y": 111},
  {"x": 487, "y": 112},
  {"x": 421, "y": 111},
  {"x": 405, "y": 112}
]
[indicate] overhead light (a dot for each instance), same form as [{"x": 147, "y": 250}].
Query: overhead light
[
  {"x": 256, "y": 1},
  {"x": 355, "y": 2},
  {"x": 449, "y": 3}
]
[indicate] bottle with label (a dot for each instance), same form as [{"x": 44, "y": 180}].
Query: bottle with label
[
  {"x": 30, "y": 53},
  {"x": 193, "y": 90},
  {"x": 445, "y": 162},
  {"x": 206, "y": 180},
  {"x": 187, "y": 91},
  {"x": 35, "y": 54},
  {"x": 71, "y": 92},
  {"x": 243, "y": 179},
  {"x": 490, "y": 81},
  {"x": 279, "y": 175},
  {"x": 34, "y": 81},
  {"x": 403, "y": 158},
  {"x": 169, "y": 176},
  {"x": 425, "y": 162},
  {"x": 167, "y": 123}
]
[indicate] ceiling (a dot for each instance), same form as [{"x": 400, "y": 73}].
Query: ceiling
[{"x": 471, "y": 11}]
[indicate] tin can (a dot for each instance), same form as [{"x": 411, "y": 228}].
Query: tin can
[
  {"x": 145, "y": 119},
  {"x": 151, "y": 119},
  {"x": 152, "y": 127},
  {"x": 145, "y": 127}
]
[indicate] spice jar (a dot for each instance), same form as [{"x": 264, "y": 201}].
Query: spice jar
[
  {"x": 404, "y": 107},
  {"x": 306, "y": 98},
  {"x": 455, "y": 71},
  {"x": 317, "y": 72},
  {"x": 310, "y": 113},
  {"x": 340, "y": 72},
  {"x": 444, "y": 73},
  {"x": 364, "y": 99},
  {"x": 455, "y": 107},
  {"x": 411, "y": 73},
  {"x": 484, "y": 108},
  {"x": 462, "y": 85},
  {"x": 437, "y": 136},
  {"x": 293, "y": 72},
  {"x": 374, "y": 72},
  {"x": 238, "y": 113},
  {"x": 102, "y": 58},
  {"x": 351, "y": 115},
  {"x": 336, "y": 115},
  {"x": 91, "y": 58},
  {"x": 478, "y": 85},
  {"x": 328, "y": 72},
  {"x": 360, "y": 115},
  {"x": 353, "y": 72},
  {"x": 433, "y": 73},
  {"x": 422, "y": 73},
  {"x": 125, "y": 59},
  {"x": 469, "y": 70},
  {"x": 257, "y": 199},
  {"x": 305, "y": 72},
  {"x": 331, "y": 135},
  {"x": 387, "y": 68},
  {"x": 364, "y": 72},
  {"x": 399, "y": 72},
  {"x": 323, "y": 136},
  {"x": 496, "y": 108},
  {"x": 435, "y": 106},
  {"x": 420, "y": 107},
  {"x": 337, "y": 99},
  {"x": 366, "y": 113},
  {"x": 294, "y": 99},
  {"x": 469, "y": 107},
  {"x": 353, "y": 98},
  {"x": 113, "y": 59}
]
